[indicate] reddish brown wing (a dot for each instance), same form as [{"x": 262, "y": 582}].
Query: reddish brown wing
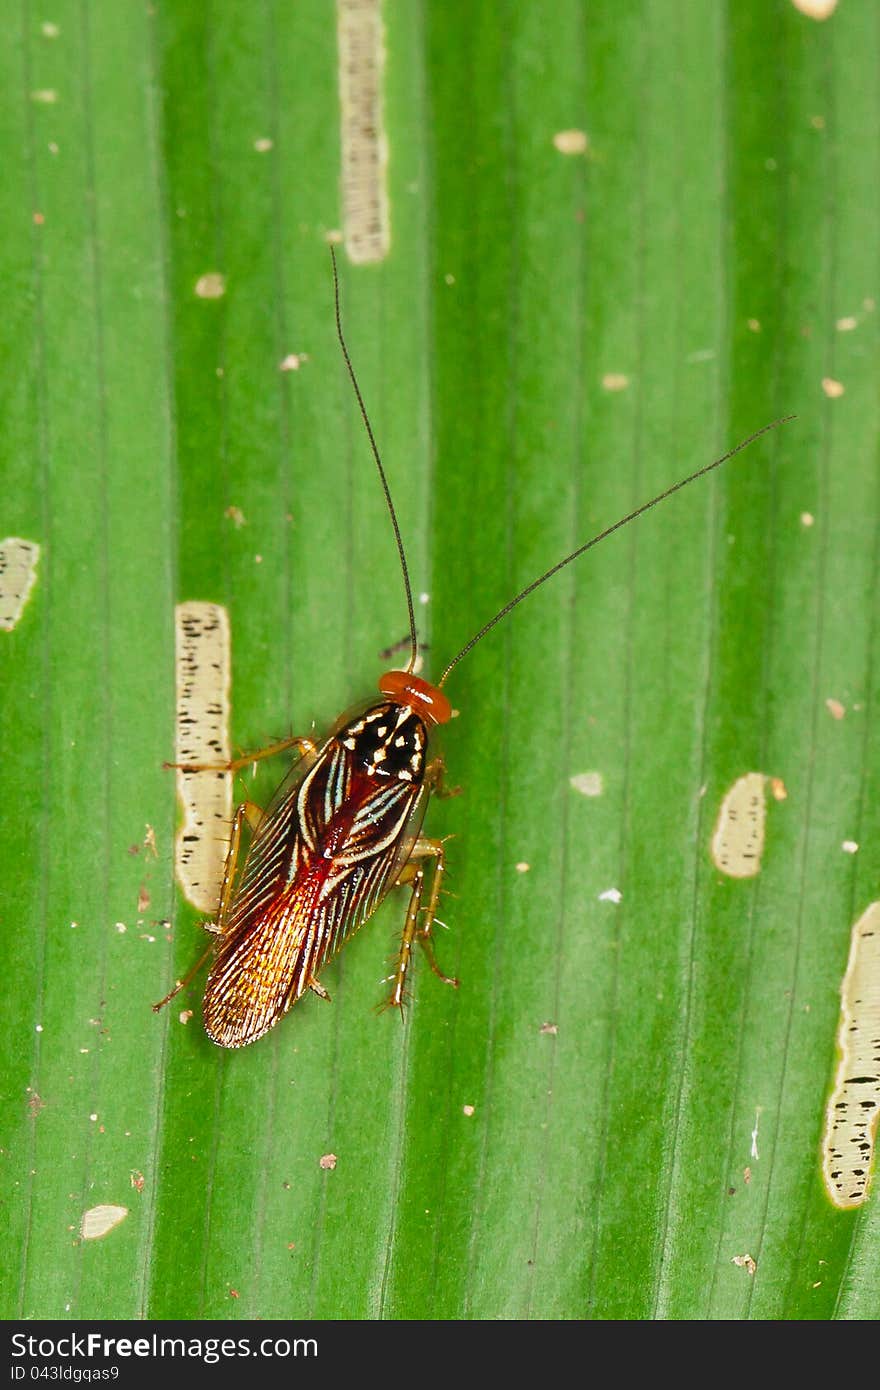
[{"x": 319, "y": 865}]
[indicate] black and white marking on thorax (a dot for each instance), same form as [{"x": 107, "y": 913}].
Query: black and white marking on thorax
[{"x": 388, "y": 741}]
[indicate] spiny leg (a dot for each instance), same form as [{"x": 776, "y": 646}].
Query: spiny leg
[
  {"x": 413, "y": 872},
  {"x": 246, "y": 811},
  {"x": 397, "y": 997},
  {"x": 304, "y": 745},
  {"x": 424, "y": 848}
]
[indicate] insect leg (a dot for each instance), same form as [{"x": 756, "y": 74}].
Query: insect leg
[
  {"x": 304, "y": 745},
  {"x": 435, "y": 779},
  {"x": 413, "y": 872},
  {"x": 422, "y": 849},
  {"x": 247, "y": 810}
]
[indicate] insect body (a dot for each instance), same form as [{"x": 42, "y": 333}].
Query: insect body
[{"x": 343, "y": 830}]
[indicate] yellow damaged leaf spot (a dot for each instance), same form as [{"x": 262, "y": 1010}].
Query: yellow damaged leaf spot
[
  {"x": 738, "y": 839},
  {"x": 18, "y": 572},
  {"x": 832, "y": 388},
  {"x": 97, "y": 1221},
  {"x": 211, "y": 285},
  {"x": 571, "y": 141},
  {"x": 816, "y": 9},
  {"x": 615, "y": 381},
  {"x": 364, "y": 146},
  {"x": 587, "y": 783},
  {"x": 854, "y": 1104},
  {"x": 202, "y": 664}
]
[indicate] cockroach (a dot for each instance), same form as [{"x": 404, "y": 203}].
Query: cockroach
[{"x": 345, "y": 825}]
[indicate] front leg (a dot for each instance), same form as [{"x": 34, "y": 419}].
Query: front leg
[{"x": 303, "y": 745}]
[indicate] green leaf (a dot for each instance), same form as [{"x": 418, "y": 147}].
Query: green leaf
[{"x": 622, "y": 1098}]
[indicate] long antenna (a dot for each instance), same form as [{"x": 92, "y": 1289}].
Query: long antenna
[
  {"x": 609, "y": 530},
  {"x": 413, "y": 640}
]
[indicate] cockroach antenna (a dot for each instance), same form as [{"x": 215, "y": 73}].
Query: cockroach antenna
[{"x": 413, "y": 640}]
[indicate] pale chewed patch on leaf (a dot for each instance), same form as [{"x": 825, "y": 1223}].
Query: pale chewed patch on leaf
[
  {"x": 361, "y": 43},
  {"x": 97, "y": 1221},
  {"x": 18, "y": 572},
  {"x": 571, "y": 141},
  {"x": 202, "y": 663},
  {"x": 854, "y": 1104},
  {"x": 211, "y": 285},
  {"x": 816, "y": 9},
  {"x": 587, "y": 783},
  {"x": 738, "y": 838}
]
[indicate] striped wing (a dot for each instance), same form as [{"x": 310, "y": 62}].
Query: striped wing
[{"x": 320, "y": 863}]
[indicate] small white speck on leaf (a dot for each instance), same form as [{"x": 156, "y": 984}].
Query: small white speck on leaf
[
  {"x": 615, "y": 381},
  {"x": 611, "y": 895},
  {"x": 850, "y": 846},
  {"x": 754, "y": 1151},
  {"x": 807, "y": 519},
  {"x": 832, "y": 388},
  {"x": 97, "y": 1221},
  {"x": 571, "y": 141},
  {"x": 263, "y": 144},
  {"x": 211, "y": 285},
  {"x": 835, "y": 708},
  {"x": 847, "y": 324},
  {"x": 587, "y": 783},
  {"x": 816, "y": 9}
]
